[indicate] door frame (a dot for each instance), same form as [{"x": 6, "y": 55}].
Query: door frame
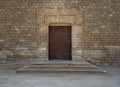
[{"x": 60, "y": 24}]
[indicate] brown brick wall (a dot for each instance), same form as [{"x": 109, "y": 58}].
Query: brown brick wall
[{"x": 95, "y": 29}]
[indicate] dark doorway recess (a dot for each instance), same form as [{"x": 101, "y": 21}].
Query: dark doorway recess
[{"x": 60, "y": 43}]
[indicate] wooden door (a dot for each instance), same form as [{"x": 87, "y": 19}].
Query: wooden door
[{"x": 60, "y": 42}]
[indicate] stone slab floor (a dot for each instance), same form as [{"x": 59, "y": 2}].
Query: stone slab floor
[{"x": 11, "y": 79}]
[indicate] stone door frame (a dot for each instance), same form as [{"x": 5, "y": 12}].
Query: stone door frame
[{"x": 76, "y": 34}]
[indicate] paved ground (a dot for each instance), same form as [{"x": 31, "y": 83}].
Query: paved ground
[{"x": 12, "y": 79}]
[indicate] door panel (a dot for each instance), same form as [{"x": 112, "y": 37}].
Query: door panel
[{"x": 60, "y": 42}]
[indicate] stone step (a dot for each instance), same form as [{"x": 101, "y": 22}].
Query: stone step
[
  {"x": 11, "y": 67},
  {"x": 59, "y": 69},
  {"x": 67, "y": 68},
  {"x": 61, "y": 65}
]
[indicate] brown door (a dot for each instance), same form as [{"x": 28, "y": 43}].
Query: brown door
[{"x": 60, "y": 42}]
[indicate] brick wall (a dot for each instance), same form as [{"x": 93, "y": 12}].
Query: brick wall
[{"x": 95, "y": 29}]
